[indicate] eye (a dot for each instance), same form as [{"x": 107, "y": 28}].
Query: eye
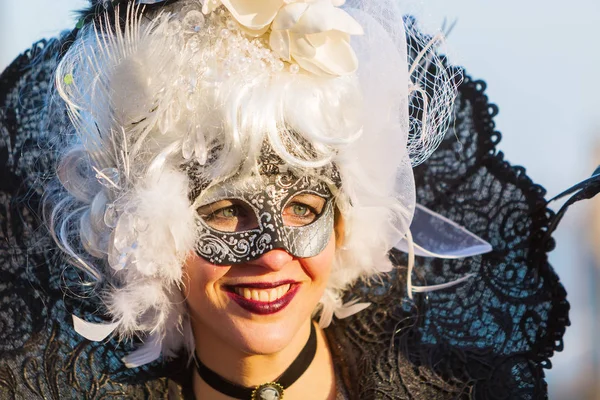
[
  {"x": 230, "y": 215},
  {"x": 211, "y": 212},
  {"x": 228, "y": 212},
  {"x": 300, "y": 210},
  {"x": 303, "y": 209}
]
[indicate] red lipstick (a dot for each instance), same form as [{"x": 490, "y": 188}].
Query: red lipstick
[{"x": 264, "y": 307}]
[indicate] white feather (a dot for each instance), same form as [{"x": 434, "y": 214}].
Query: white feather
[
  {"x": 147, "y": 353},
  {"x": 93, "y": 331}
]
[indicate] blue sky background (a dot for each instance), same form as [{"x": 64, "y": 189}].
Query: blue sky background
[{"x": 540, "y": 61}]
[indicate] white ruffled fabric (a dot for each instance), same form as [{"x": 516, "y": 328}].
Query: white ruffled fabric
[{"x": 314, "y": 34}]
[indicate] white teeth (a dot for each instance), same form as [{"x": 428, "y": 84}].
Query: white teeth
[
  {"x": 267, "y": 295},
  {"x": 263, "y": 295},
  {"x": 273, "y": 295}
]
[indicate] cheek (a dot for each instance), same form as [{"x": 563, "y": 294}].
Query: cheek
[
  {"x": 318, "y": 268},
  {"x": 200, "y": 276}
]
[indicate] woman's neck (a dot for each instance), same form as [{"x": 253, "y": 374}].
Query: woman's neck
[{"x": 251, "y": 370}]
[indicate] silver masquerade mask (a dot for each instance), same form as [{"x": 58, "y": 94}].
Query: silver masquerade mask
[{"x": 240, "y": 220}]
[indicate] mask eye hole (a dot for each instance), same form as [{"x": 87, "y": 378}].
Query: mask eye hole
[
  {"x": 229, "y": 215},
  {"x": 303, "y": 209}
]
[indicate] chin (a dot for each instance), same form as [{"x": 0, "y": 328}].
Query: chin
[
  {"x": 265, "y": 339},
  {"x": 260, "y": 336}
]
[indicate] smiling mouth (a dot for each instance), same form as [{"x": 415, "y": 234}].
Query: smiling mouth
[
  {"x": 263, "y": 295},
  {"x": 263, "y": 298}
]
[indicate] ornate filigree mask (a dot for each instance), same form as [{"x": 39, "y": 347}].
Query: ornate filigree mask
[
  {"x": 242, "y": 219},
  {"x": 246, "y": 216}
]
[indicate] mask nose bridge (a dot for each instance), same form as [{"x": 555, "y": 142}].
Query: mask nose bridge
[
  {"x": 275, "y": 226},
  {"x": 280, "y": 243}
]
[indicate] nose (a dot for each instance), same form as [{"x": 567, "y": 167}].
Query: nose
[{"x": 274, "y": 259}]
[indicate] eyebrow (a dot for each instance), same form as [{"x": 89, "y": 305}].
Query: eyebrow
[{"x": 309, "y": 198}]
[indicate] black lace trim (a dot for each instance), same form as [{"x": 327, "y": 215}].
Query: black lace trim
[{"x": 488, "y": 338}]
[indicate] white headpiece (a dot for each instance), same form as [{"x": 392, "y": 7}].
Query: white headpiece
[{"x": 206, "y": 84}]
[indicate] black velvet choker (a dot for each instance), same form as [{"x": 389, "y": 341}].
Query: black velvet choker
[{"x": 267, "y": 391}]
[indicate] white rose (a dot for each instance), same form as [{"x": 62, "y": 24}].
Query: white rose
[
  {"x": 255, "y": 16},
  {"x": 316, "y": 35},
  {"x": 313, "y": 33}
]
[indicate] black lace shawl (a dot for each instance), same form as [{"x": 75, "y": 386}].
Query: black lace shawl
[{"x": 488, "y": 338}]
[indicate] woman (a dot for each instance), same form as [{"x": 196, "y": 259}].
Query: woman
[{"x": 232, "y": 171}]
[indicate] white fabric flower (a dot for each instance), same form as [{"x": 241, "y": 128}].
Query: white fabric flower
[
  {"x": 254, "y": 16},
  {"x": 313, "y": 33},
  {"x": 316, "y": 35}
]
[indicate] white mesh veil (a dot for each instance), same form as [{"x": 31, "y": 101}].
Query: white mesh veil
[
  {"x": 432, "y": 85},
  {"x": 408, "y": 97}
]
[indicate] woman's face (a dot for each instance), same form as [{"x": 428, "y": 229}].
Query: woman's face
[{"x": 257, "y": 306}]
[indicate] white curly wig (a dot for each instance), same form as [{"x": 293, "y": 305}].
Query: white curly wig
[{"x": 155, "y": 92}]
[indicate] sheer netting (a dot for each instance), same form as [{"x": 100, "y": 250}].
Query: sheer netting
[{"x": 488, "y": 338}]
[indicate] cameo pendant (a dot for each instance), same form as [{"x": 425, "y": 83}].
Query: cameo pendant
[{"x": 268, "y": 391}]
